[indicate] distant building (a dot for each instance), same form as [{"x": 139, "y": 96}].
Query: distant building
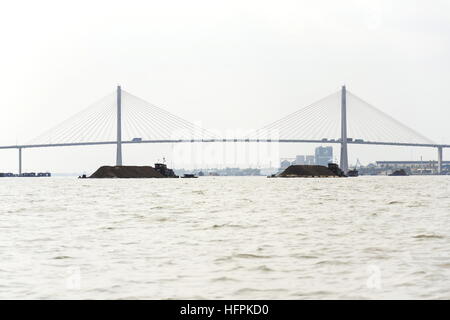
[
  {"x": 309, "y": 160},
  {"x": 410, "y": 167},
  {"x": 415, "y": 167},
  {"x": 410, "y": 164},
  {"x": 324, "y": 155},
  {"x": 300, "y": 160}
]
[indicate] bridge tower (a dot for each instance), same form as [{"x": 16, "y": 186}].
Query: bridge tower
[
  {"x": 440, "y": 160},
  {"x": 344, "y": 153},
  {"x": 119, "y": 127},
  {"x": 20, "y": 161}
]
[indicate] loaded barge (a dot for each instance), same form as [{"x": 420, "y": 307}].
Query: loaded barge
[
  {"x": 25, "y": 174},
  {"x": 310, "y": 171}
]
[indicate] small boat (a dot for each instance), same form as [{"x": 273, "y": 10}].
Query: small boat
[
  {"x": 397, "y": 173},
  {"x": 188, "y": 175},
  {"x": 353, "y": 173}
]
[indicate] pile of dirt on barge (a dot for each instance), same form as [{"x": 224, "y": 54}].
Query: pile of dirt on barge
[
  {"x": 159, "y": 171},
  {"x": 310, "y": 171}
]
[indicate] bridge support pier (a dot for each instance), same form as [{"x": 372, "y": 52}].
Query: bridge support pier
[
  {"x": 439, "y": 160},
  {"x": 344, "y": 152},
  {"x": 119, "y": 127},
  {"x": 20, "y": 161}
]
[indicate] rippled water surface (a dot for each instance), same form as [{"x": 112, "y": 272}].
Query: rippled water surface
[{"x": 219, "y": 237}]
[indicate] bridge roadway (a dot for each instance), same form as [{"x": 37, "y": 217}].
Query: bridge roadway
[{"x": 27, "y": 146}]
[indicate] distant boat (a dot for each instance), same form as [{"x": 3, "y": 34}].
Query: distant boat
[
  {"x": 166, "y": 172},
  {"x": 400, "y": 172},
  {"x": 353, "y": 173},
  {"x": 188, "y": 175}
]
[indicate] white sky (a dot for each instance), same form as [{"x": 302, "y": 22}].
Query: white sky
[{"x": 230, "y": 64}]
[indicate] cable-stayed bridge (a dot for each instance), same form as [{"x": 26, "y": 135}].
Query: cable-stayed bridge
[{"x": 122, "y": 118}]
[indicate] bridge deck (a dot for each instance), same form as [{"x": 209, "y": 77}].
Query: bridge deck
[{"x": 26, "y": 146}]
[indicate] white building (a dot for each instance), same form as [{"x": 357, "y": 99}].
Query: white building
[{"x": 324, "y": 155}]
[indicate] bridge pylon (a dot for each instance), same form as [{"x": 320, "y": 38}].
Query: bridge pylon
[
  {"x": 119, "y": 127},
  {"x": 20, "y": 161},
  {"x": 344, "y": 150},
  {"x": 440, "y": 160}
]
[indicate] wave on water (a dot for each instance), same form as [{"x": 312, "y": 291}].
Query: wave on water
[
  {"x": 263, "y": 268},
  {"x": 250, "y": 256},
  {"x": 224, "y": 279},
  {"x": 428, "y": 236}
]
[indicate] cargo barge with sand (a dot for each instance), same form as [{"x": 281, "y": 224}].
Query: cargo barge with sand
[
  {"x": 311, "y": 171},
  {"x": 129, "y": 172}
]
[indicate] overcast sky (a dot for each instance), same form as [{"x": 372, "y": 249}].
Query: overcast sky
[{"x": 230, "y": 64}]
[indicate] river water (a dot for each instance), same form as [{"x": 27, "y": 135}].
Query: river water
[{"x": 225, "y": 237}]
